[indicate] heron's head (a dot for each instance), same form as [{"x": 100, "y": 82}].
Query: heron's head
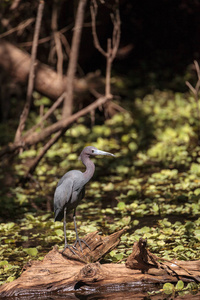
[{"x": 93, "y": 151}]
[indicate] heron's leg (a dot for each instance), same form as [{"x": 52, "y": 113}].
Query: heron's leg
[
  {"x": 64, "y": 225},
  {"x": 75, "y": 227},
  {"x": 78, "y": 240}
]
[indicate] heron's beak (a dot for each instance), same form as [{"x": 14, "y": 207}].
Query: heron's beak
[{"x": 99, "y": 152}]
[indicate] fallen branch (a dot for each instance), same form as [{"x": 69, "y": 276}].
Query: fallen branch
[
  {"x": 60, "y": 273},
  {"x": 47, "y": 82},
  {"x": 99, "y": 247},
  {"x": 142, "y": 259}
]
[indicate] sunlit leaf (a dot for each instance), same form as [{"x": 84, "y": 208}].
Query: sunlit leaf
[
  {"x": 30, "y": 217},
  {"x": 197, "y": 234},
  {"x": 10, "y": 278},
  {"x": 108, "y": 187},
  {"x": 121, "y": 205},
  {"x": 9, "y": 225},
  {"x": 3, "y": 263},
  {"x": 31, "y": 251},
  {"x": 59, "y": 232},
  {"x": 126, "y": 220},
  {"x": 168, "y": 288},
  {"x": 45, "y": 216},
  {"x": 197, "y": 191},
  {"x": 179, "y": 286}
]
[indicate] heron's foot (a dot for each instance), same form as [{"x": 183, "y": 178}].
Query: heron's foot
[
  {"x": 79, "y": 241},
  {"x": 70, "y": 248}
]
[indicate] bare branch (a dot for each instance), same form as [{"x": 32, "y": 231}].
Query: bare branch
[
  {"x": 57, "y": 40},
  {"x": 116, "y": 33},
  {"x": 93, "y": 10},
  {"x": 46, "y": 116},
  {"x": 68, "y": 102},
  {"x": 64, "y": 123},
  {"x": 46, "y": 39},
  {"x": 108, "y": 68},
  {"x": 112, "y": 45},
  {"x": 19, "y": 27},
  {"x": 116, "y": 30},
  {"x": 26, "y": 109},
  {"x": 59, "y": 54},
  {"x": 195, "y": 92},
  {"x": 197, "y": 69},
  {"x": 43, "y": 151},
  {"x": 190, "y": 87},
  {"x": 65, "y": 44},
  {"x": 15, "y": 4}
]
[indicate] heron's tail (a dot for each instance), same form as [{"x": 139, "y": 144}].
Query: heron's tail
[{"x": 59, "y": 214}]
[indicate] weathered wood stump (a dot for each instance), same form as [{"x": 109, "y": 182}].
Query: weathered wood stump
[{"x": 69, "y": 273}]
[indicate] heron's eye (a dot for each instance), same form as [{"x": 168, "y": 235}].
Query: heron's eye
[{"x": 92, "y": 151}]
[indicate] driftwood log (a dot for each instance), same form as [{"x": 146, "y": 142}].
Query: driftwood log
[{"x": 69, "y": 274}]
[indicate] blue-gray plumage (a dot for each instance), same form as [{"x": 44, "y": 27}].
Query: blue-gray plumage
[{"x": 71, "y": 189}]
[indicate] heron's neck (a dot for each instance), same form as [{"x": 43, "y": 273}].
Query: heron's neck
[{"x": 90, "y": 168}]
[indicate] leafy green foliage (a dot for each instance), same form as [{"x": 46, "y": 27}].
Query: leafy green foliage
[{"x": 177, "y": 290}]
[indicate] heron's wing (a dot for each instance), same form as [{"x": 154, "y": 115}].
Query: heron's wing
[{"x": 62, "y": 196}]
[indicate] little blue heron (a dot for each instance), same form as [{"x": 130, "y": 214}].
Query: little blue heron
[{"x": 71, "y": 189}]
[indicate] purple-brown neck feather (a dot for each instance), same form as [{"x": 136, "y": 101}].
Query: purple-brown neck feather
[{"x": 90, "y": 167}]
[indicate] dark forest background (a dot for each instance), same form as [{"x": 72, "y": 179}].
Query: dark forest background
[{"x": 159, "y": 39}]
